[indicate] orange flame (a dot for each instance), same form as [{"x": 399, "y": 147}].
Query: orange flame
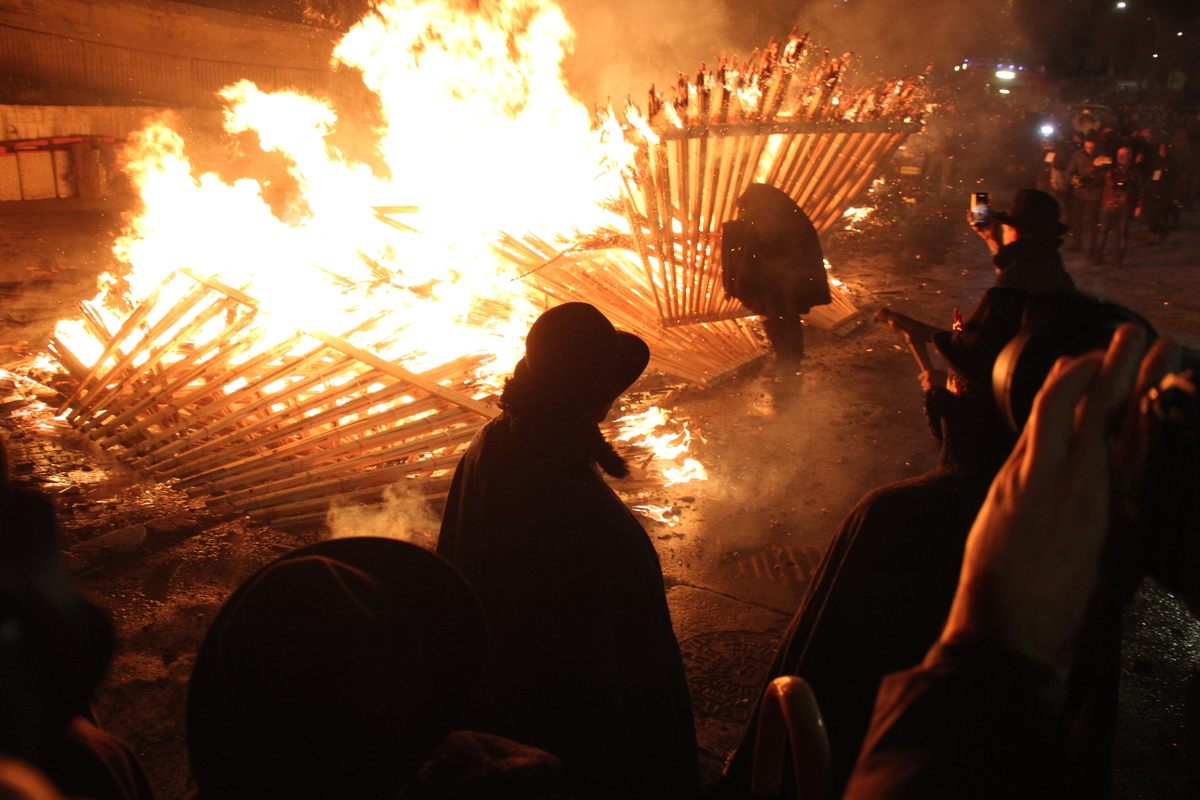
[
  {"x": 501, "y": 144},
  {"x": 652, "y": 431}
]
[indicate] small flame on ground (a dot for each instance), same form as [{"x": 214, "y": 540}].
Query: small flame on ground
[
  {"x": 654, "y": 430},
  {"x": 667, "y": 515},
  {"x": 834, "y": 282},
  {"x": 855, "y": 215},
  {"x": 692, "y": 470}
]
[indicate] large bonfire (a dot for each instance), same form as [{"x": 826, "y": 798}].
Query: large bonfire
[{"x": 276, "y": 350}]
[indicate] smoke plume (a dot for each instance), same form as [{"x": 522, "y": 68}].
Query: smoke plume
[
  {"x": 404, "y": 514},
  {"x": 622, "y": 46}
]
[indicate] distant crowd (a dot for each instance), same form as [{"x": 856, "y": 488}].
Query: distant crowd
[{"x": 1110, "y": 168}]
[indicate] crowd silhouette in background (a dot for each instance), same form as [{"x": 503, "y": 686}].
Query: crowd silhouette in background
[
  {"x": 961, "y": 633},
  {"x": 1114, "y": 168}
]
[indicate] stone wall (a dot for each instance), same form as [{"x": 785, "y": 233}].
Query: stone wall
[
  {"x": 43, "y": 122},
  {"x": 160, "y": 53}
]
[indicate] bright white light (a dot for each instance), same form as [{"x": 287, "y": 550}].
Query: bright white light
[
  {"x": 957, "y": 68},
  {"x": 1047, "y": 130},
  {"x": 1154, "y": 56},
  {"x": 1004, "y": 91},
  {"x": 1179, "y": 33},
  {"x": 1005, "y": 74},
  {"x": 1121, "y": 5}
]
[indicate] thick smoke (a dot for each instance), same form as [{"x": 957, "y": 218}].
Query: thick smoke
[{"x": 622, "y": 46}]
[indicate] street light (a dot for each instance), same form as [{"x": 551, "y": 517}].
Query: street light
[{"x": 1121, "y": 5}]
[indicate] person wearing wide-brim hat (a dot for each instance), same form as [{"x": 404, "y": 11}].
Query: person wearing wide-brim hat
[
  {"x": 1024, "y": 243},
  {"x": 342, "y": 669},
  {"x": 583, "y": 661},
  {"x": 885, "y": 582}
]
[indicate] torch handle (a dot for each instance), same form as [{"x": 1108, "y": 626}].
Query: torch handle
[
  {"x": 916, "y": 334},
  {"x": 920, "y": 353}
]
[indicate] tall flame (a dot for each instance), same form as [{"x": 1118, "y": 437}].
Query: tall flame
[{"x": 479, "y": 135}]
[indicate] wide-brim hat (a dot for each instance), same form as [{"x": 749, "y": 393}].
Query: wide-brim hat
[
  {"x": 1033, "y": 211},
  {"x": 576, "y": 360},
  {"x": 995, "y": 320},
  {"x": 328, "y": 668}
]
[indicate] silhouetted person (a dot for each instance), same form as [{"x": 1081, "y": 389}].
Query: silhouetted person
[
  {"x": 55, "y": 648},
  {"x": 341, "y": 670},
  {"x": 771, "y": 261},
  {"x": 980, "y": 716},
  {"x": 1120, "y": 202},
  {"x": 583, "y": 661},
  {"x": 882, "y": 590},
  {"x": 1024, "y": 242},
  {"x": 1086, "y": 187}
]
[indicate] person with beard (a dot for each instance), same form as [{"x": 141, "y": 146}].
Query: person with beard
[
  {"x": 583, "y": 661},
  {"x": 882, "y": 590}
]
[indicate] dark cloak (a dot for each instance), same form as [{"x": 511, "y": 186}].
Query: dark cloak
[
  {"x": 880, "y": 595},
  {"x": 1032, "y": 265},
  {"x": 582, "y": 661},
  {"x": 771, "y": 258}
]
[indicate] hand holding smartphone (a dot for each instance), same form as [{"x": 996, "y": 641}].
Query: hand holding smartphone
[{"x": 981, "y": 212}]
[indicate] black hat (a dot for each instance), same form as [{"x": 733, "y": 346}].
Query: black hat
[
  {"x": 992, "y": 324},
  {"x": 1033, "y": 211},
  {"x": 332, "y": 671},
  {"x": 576, "y": 360}
]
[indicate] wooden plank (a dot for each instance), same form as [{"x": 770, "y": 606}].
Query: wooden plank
[{"x": 367, "y": 357}]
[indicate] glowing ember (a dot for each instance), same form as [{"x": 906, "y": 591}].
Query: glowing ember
[
  {"x": 834, "y": 282},
  {"x": 665, "y": 514},
  {"x": 855, "y": 215}
]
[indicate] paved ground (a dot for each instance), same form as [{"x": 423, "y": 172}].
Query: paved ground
[{"x": 788, "y": 451}]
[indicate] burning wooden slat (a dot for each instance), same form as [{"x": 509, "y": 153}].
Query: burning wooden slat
[
  {"x": 784, "y": 118},
  {"x": 822, "y": 165},
  {"x": 306, "y": 421},
  {"x": 197, "y": 386},
  {"x": 615, "y": 281}
]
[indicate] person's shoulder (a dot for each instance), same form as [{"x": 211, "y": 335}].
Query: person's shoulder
[{"x": 920, "y": 497}]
